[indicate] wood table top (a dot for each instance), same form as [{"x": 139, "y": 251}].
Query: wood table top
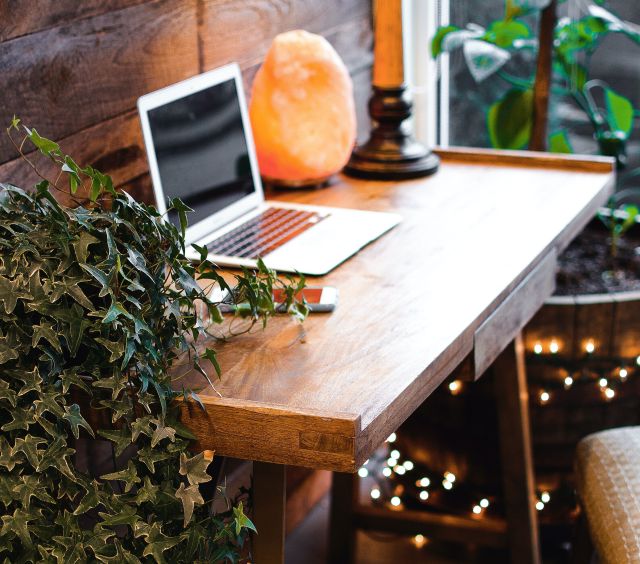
[{"x": 327, "y": 393}]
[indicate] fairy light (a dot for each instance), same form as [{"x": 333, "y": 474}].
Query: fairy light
[
  {"x": 590, "y": 346},
  {"x": 419, "y": 541},
  {"x": 386, "y": 471},
  {"x": 455, "y": 387},
  {"x": 623, "y": 373},
  {"x": 424, "y": 495},
  {"x": 394, "y": 454},
  {"x": 568, "y": 382},
  {"x": 408, "y": 465},
  {"x": 396, "y": 501},
  {"x": 392, "y": 461},
  {"x": 400, "y": 470},
  {"x": 450, "y": 477},
  {"x": 363, "y": 472},
  {"x": 484, "y": 503},
  {"x": 609, "y": 393},
  {"x": 603, "y": 382},
  {"x": 638, "y": 360},
  {"x": 545, "y": 497},
  {"x": 554, "y": 347},
  {"x": 539, "y": 506},
  {"x": 477, "y": 509},
  {"x": 375, "y": 493},
  {"x": 537, "y": 348},
  {"x": 544, "y": 396},
  {"x": 392, "y": 438},
  {"x": 423, "y": 482},
  {"x": 447, "y": 485}
]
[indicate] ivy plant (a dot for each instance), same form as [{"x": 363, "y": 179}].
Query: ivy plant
[
  {"x": 99, "y": 308},
  {"x": 487, "y": 53}
]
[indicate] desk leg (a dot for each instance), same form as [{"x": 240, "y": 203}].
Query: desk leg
[
  {"x": 269, "y": 497},
  {"x": 517, "y": 461},
  {"x": 342, "y": 532}
]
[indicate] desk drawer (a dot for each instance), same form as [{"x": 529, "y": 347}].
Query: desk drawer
[{"x": 502, "y": 326}]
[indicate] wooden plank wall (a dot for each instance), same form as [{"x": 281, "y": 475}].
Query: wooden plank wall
[{"x": 74, "y": 69}]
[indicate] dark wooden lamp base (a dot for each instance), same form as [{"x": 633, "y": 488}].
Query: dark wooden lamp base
[{"x": 391, "y": 153}]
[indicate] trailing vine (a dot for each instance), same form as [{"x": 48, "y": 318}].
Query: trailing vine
[{"x": 98, "y": 308}]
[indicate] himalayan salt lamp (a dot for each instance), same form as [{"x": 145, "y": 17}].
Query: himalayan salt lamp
[{"x": 302, "y": 111}]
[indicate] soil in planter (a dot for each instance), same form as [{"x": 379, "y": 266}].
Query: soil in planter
[{"x": 586, "y": 266}]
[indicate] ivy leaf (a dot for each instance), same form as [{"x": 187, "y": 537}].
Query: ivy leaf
[
  {"x": 81, "y": 245},
  {"x": 32, "y": 486},
  {"x": 129, "y": 476},
  {"x": 121, "y": 438},
  {"x": 10, "y": 292},
  {"x": 120, "y": 556},
  {"x": 75, "y": 420},
  {"x": 195, "y": 468},
  {"x": 45, "y": 330},
  {"x": 18, "y": 523},
  {"x": 148, "y": 492},
  {"x": 90, "y": 499},
  {"x": 115, "y": 311},
  {"x": 100, "y": 277},
  {"x": 241, "y": 520},
  {"x": 149, "y": 456},
  {"x": 116, "y": 348},
  {"x": 157, "y": 541},
  {"x": 126, "y": 516},
  {"x": 161, "y": 432},
  {"x": 29, "y": 447},
  {"x": 189, "y": 497},
  {"x": 56, "y": 456}
]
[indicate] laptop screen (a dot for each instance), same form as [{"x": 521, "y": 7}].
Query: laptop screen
[{"x": 202, "y": 151}]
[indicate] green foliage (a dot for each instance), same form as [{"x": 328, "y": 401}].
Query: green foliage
[
  {"x": 99, "y": 309},
  {"x": 618, "y": 221},
  {"x": 509, "y": 120},
  {"x": 559, "y": 143},
  {"x": 612, "y": 123}
]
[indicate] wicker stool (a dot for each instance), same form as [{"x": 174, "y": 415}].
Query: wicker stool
[{"x": 608, "y": 481}]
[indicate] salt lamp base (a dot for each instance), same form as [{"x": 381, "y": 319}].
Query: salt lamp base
[
  {"x": 391, "y": 153},
  {"x": 308, "y": 183}
]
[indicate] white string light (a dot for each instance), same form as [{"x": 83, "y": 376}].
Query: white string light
[
  {"x": 424, "y": 495},
  {"x": 455, "y": 387},
  {"x": 544, "y": 396},
  {"x": 450, "y": 477},
  {"x": 392, "y": 438},
  {"x": 386, "y": 471},
  {"x": 484, "y": 503},
  {"x": 400, "y": 470},
  {"x": 590, "y": 346},
  {"x": 568, "y": 382},
  {"x": 603, "y": 382},
  {"x": 375, "y": 493},
  {"x": 609, "y": 393},
  {"x": 419, "y": 541},
  {"x": 423, "y": 482},
  {"x": 537, "y": 348},
  {"x": 396, "y": 501},
  {"x": 545, "y": 497},
  {"x": 554, "y": 347},
  {"x": 447, "y": 485},
  {"x": 363, "y": 472},
  {"x": 477, "y": 509},
  {"x": 394, "y": 454},
  {"x": 408, "y": 465},
  {"x": 539, "y": 506},
  {"x": 623, "y": 373}
]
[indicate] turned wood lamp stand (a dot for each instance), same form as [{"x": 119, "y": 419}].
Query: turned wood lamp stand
[{"x": 391, "y": 153}]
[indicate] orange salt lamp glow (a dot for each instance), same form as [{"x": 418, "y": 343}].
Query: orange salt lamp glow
[{"x": 302, "y": 110}]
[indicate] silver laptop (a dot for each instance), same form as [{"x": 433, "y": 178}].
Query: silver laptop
[{"x": 200, "y": 149}]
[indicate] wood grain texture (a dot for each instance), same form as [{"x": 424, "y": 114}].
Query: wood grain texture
[
  {"x": 626, "y": 325},
  {"x": 512, "y": 401},
  {"x": 79, "y": 67},
  {"x": 69, "y": 78},
  {"x": 513, "y": 314},
  {"x": 409, "y": 307},
  {"x": 20, "y": 18}
]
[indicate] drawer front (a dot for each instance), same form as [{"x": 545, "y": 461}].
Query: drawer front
[{"x": 502, "y": 326}]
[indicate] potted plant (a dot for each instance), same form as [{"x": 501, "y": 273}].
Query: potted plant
[{"x": 98, "y": 306}]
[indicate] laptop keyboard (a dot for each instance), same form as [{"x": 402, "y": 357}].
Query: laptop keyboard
[{"x": 264, "y": 233}]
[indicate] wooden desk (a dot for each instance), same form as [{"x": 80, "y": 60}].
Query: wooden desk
[{"x": 469, "y": 265}]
